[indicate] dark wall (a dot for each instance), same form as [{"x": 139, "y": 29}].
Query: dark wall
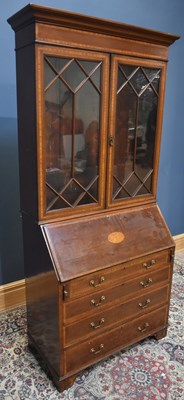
[
  {"x": 163, "y": 15},
  {"x": 10, "y": 223}
]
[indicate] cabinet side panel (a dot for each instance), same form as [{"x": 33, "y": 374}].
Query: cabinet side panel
[
  {"x": 42, "y": 290},
  {"x": 25, "y": 64}
]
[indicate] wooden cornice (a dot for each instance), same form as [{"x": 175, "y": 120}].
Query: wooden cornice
[{"x": 37, "y": 14}]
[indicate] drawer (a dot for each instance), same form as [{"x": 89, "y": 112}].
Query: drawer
[
  {"x": 108, "y": 318},
  {"x": 90, "y": 351},
  {"x": 104, "y": 278},
  {"x": 94, "y": 303}
]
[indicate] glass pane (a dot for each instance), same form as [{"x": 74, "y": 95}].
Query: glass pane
[
  {"x": 93, "y": 190},
  {"x": 155, "y": 83},
  {"x": 56, "y": 63},
  {"x": 72, "y": 192},
  {"x": 128, "y": 69},
  {"x": 86, "y": 199},
  {"x": 146, "y": 133},
  {"x": 58, "y": 124},
  {"x": 121, "y": 80},
  {"x": 49, "y": 74},
  {"x": 154, "y": 77},
  {"x": 73, "y": 75},
  {"x": 89, "y": 66},
  {"x": 116, "y": 187},
  {"x": 51, "y": 196},
  {"x": 122, "y": 194},
  {"x": 92, "y": 69},
  {"x": 132, "y": 185},
  {"x": 139, "y": 81},
  {"x": 71, "y": 133},
  {"x": 143, "y": 190},
  {"x": 87, "y": 159},
  {"x": 136, "y": 116},
  {"x": 59, "y": 204},
  {"x": 95, "y": 77},
  {"x": 125, "y": 133},
  {"x": 148, "y": 182}
]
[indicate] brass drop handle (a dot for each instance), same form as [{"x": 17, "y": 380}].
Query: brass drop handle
[
  {"x": 147, "y": 283},
  {"x": 92, "y": 324},
  {"x": 145, "y": 305},
  {"x": 92, "y": 282},
  {"x": 149, "y": 264},
  {"x": 93, "y": 302},
  {"x": 111, "y": 141},
  {"x": 140, "y": 329},
  {"x": 101, "y": 347}
]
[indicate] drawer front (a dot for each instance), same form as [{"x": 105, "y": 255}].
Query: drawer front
[
  {"x": 94, "y": 303},
  {"x": 108, "y": 318},
  {"x": 102, "y": 279},
  {"x": 89, "y": 352}
]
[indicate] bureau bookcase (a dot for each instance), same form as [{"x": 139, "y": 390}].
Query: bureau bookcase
[{"x": 98, "y": 254}]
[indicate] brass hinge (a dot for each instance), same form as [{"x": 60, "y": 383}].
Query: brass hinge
[
  {"x": 172, "y": 253},
  {"x": 65, "y": 292}
]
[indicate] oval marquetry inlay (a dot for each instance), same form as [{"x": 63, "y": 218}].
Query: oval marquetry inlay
[{"x": 116, "y": 237}]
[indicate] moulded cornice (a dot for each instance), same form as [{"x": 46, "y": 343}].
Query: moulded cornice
[{"x": 37, "y": 14}]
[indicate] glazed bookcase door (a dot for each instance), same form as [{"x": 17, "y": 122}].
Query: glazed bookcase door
[
  {"x": 72, "y": 130},
  {"x": 135, "y": 130}
]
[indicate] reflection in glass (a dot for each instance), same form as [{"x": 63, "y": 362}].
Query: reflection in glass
[
  {"x": 147, "y": 119},
  {"x": 136, "y": 116},
  {"x": 58, "y": 117},
  {"x": 72, "y": 104},
  {"x": 93, "y": 70},
  {"x": 127, "y": 70},
  {"x": 139, "y": 81},
  {"x": 73, "y": 75},
  {"x": 121, "y": 81},
  {"x": 153, "y": 76},
  {"x": 125, "y": 131},
  {"x": 122, "y": 193}
]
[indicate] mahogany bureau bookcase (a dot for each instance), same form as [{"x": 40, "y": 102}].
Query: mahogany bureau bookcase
[{"x": 98, "y": 254}]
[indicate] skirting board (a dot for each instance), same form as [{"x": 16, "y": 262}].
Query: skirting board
[
  {"x": 13, "y": 294},
  {"x": 179, "y": 241}
]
